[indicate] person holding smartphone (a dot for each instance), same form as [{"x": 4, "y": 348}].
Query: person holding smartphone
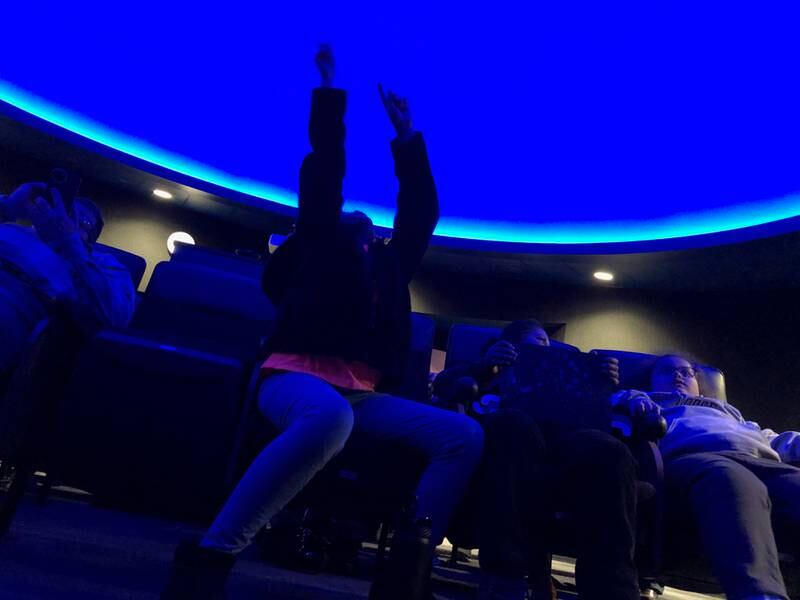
[
  {"x": 528, "y": 472},
  {"x": 54, "y": 262}
]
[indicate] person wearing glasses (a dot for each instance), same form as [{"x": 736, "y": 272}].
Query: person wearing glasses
[
  {"x": 54, "y": 263},
  {"x": 738, "y": 483}
]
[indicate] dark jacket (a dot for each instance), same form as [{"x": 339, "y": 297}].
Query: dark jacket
[
  {"x": 332, "y": 298},
  {"x": 448, "y": 383}
]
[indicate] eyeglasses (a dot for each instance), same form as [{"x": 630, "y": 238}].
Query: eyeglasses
[{"x": 684, "y": 372}]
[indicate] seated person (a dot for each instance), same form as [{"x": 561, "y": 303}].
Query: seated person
[
  {"x": 727, "y": 476},
  {"x": 342, "y": 333},
  {"x": 526, "y": 475},
  {"x": 55, "y": 263}
]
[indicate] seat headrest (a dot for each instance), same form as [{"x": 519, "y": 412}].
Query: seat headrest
[
  {"x": 635, "y": 369},
  {"x": 422, "y": 332},
  {"x": 210, "y": 288},
  {"x": 466, "y": 343},
  {"x": 209, "y": 258}
]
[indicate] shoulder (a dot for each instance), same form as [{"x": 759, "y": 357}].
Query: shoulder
[{"x": 105, "y": 259}]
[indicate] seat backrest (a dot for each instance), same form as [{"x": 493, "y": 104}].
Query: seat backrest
[
  {"x": 206, "y": 308},
  {"x": 414, "y": 384},
  {"x": 209, "y": 258},
  {"x": 149, "y": 427},
  {"x": 466, "y": 343},
  {"x": 37, "y": 379},
  {"x": 133, "y": 262},
  {"x": 635, "y": 369}
]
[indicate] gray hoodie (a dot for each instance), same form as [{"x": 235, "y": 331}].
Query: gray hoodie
[{"x": 700, "y": 424}]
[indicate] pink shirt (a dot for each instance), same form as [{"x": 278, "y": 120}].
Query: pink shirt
[{"x": 335, "y": 371}]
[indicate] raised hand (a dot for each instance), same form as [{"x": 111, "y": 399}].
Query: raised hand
[
  {"x": 51, "y": 221},
  {"x": 325, "y": 64},
  {"x": 500, "y": 354},
  {"x": 398, "y": 112},
  {"x": 634, "y": 403},
  {"x": 609, "y": 368}
]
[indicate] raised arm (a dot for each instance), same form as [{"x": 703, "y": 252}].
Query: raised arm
[
  {"x": 417, "y": 200},
  {"x": 322, "y": 172}
]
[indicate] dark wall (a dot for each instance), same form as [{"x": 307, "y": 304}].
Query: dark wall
[
  {"x": 142, "y": 226},
  {"x": 752, "y": 336}
]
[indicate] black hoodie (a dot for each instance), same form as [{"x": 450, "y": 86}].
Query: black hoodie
[{"x": 332, "y": 298}]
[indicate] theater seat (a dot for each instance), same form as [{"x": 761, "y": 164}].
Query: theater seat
[
  {"x": 371, "y": 480},
  {"x": 27, "y": 401},
  {"x": 209, "y": 258},
  {"x": 684, "y": 565},
  {"x": 414, "y": 383},
  {"x": 466, "y": 343},
  {"x": 149, "y": 427},
  {"x": 206, "y": 309},
  {"x": 133, "y": 262},
  {"x": 150, "y": 416}
]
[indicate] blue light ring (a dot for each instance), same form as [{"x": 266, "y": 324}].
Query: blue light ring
[{"x": 701, "y": 228}]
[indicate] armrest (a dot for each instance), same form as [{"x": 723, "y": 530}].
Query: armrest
[
  {"x": 649, "y": 428},
  {"x": 650, "y": 463},
  {"x": 458, "y": 394},
  {"x": 650, "y": 509},
  {"x": 465, "y": 391}
]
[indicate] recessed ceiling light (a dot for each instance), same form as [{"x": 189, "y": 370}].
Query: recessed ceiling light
[
  {"x": 178, "y": 236},
  {"x": 162, "y": 194},
  {"x": 604, "y": 276}
]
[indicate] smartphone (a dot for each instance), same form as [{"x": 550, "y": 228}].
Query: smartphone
[{"x": 67, "y": 183}]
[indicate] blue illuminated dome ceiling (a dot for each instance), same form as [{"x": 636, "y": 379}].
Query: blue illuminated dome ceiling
[{"x": 547, "y": 123}]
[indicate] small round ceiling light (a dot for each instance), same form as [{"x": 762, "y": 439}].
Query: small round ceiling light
[
  {"x": 178, "y": 236},
  {"x": 604, "y": 276}
]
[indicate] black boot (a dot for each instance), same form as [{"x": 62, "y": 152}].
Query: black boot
[
  {"x": 407, "y": 573},
  {"x": 295, "y": 543},
  {"x": 198, "y": 573}
]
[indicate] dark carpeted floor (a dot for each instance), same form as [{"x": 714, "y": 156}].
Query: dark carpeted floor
[{"x": 64, "y": 549}]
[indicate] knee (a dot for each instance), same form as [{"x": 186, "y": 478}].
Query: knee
[
  {"x": 336, "y": 420},
  {"x": 604, "y": 455},
  {"x": 509, "y": 422},
  {"x": 515, "y": 431},
  {"x": 466, "y": 437},
  {"x": 730, "y": 482}
]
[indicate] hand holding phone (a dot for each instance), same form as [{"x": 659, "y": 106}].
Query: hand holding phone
[
  {"x": 49, "y": 217},
  {"x": 67, "y": 183}
]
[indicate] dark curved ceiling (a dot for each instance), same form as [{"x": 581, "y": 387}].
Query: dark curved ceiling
[{"x": 760, "y": 264}]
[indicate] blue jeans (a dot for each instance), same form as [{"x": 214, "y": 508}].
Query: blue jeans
[{"x": 315, "y": 421}]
